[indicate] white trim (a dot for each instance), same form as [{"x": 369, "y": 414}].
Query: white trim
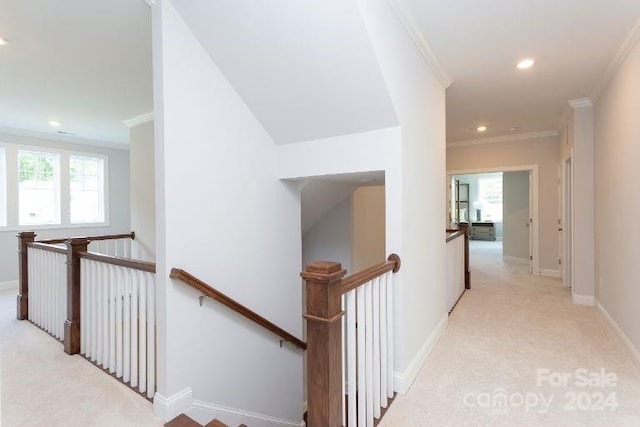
[
  {"x": 516, "y": 260},
  {"x": 138, "y": 120},
  {"x": 622, "y": 54},
  {"x": 204, "y": 412},
  {"x": 9, "y": 285},
  {"x": 632, "y": 348},
  {"x": 535, "y": 231},
  {"x": 22, "y": 133},
  {"x": 404, "y": 380},
  {"x": 583, "y": 300},
  {"x": 580, "y": 103},
  {"x": 407, "y": 21},
  {"x": 547, "y": 272},
  {"x": 167, "y": 408},
  {"x": 150, "y": 2},
  {"x": 504, "y": 138}
]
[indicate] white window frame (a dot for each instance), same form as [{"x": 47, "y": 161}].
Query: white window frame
[
  {"x": 12, "y": 220},
  {"x": 103, "y": 187},
  {"x": 57, "y": 219}
]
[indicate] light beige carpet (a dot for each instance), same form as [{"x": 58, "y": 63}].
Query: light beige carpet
[
  {"x": 511, "y": 341},
  {"x": 40, "y": 385}
]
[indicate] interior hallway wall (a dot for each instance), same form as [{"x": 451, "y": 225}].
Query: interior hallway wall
[
  {"x": 545, "y": 152},
  {"x": 368, "y": 227},
  {"x": 516, "y": 214}
]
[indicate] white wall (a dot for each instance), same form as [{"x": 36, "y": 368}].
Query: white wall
[
  {"x": 583, "y": 224},
  {"x": 419, "y": 100},
  {"x": 617, "y": 156},
  {"x": 330, "y": 238},
  {"x": 143, "y": 190},
  {"x": 515, "y": 195},
  {"x": 545, "y": 152},
  {"x": 118, "y": 202},
  {"x": 368, "y": 227},
  {"x": 222, "y": 215}
]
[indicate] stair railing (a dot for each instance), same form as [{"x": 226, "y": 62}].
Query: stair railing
[{"x": 358, "y": 363}]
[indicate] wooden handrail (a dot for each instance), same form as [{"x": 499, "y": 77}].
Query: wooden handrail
[
  {"x": 122, "y": 262},
  {"x": 131, "y": 235},
  {"x": 194, "y": 282},
  {"x": 47, "y": 247},
  {"x": 351, "y": 282},
  {"x": 453, "y": 234}
]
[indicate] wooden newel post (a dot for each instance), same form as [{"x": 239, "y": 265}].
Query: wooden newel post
[
  {"x": 22, "y": 311},
  {"x": 324, "y": 343},
  {"x": 464, "y": 226},
  {"x": 72, "y": 324}
]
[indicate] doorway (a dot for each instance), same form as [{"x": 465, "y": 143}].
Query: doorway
[{"x": 505, "y": 221}]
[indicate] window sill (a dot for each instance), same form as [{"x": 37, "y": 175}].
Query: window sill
[{"x": 17, "y": 228}]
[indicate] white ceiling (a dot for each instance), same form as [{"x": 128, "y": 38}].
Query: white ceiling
[
  {"x": 86, "y": 64},
  {"x": 305, "y": 68},
  {"x": 478, "y": 43}
]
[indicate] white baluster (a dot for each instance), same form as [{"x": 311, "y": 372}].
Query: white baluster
[
  {"x": 351, "y": 357},
  {"x": 362, "y": 380},
  {"x": 151, "y": 335},
  {"x": 375, "y": 385},
  {"x": 369, "y": 351},
  {"x": 344, "y": 362},
  {"x": 390, "y": 357},
  {"x": 142, "y": 338},
  {"x": 383, "y": 340},
  {"x": 112, "y": 319},
  {"x": 135, "y": 320},
  {"x": 126, "y": 349}
]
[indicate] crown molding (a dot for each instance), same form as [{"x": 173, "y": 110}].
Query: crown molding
[
  {"x": 580, "y": 103},
  {"x": 149, "y": 2},
  {"x": 504, "y": 138},
  {"x": 18, "y": 135},
  {"x": 411, "y": 27},
  {"x": 138, "y": 120},
  {"x": 623, "y": 52}
]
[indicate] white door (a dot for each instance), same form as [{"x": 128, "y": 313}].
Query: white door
[{"x": 530, "y": 222}]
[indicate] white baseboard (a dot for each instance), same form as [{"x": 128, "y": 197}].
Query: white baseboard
[
  {"x": 515, "y": 259},
  {"x": 549, "y": 273},
  {"x": 205, "y": 412},
  {"x": 403, "y": 380},
  {"x": 167, "y": 408},
  {"x": 632, "y": 348},
  {"x": 583, "y": 300},
  {"x": 9, "y": 285}
]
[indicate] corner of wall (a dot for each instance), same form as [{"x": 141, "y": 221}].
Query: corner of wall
[{"x": 167, "y": 408}]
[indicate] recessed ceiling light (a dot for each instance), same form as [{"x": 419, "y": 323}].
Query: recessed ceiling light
[
  {"x": 3, "y": 41},
  {"x": 54, "y": 123},
  {"x": 482, "y": 128},
  {"x": 526, "y": 63}
]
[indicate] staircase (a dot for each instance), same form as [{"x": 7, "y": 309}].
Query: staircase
[{"x": 184, "y": 421}]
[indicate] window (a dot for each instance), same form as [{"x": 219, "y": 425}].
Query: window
[
  {"x": 490, "y": 197},
  {"x": 39, "y": 201},
  {"x": 3, "y": 189},
  {"x": 86, "y": 189}
]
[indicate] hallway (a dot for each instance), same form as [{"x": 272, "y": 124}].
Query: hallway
[{"x": 509, "y": 331}]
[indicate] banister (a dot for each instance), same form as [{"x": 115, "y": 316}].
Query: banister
[
  {"x": 47, "y": 247},
  {"x": 131, "y": 235},
  {"x": 453, "y": 234},
  {"x": 351, "y": 282},
  {"x": 194, "y": 282},
  {"x": 122, "y": 262}
]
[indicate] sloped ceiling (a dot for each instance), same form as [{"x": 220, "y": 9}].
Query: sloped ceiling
[{"x": 305, "y": 68}]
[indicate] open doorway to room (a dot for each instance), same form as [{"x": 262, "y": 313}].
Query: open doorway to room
[{"x": 500, "y": 206}]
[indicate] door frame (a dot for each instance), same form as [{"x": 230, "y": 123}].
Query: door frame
[
  {"x": 534, "y": 242},
  {"x": 566, "y": 221}
]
